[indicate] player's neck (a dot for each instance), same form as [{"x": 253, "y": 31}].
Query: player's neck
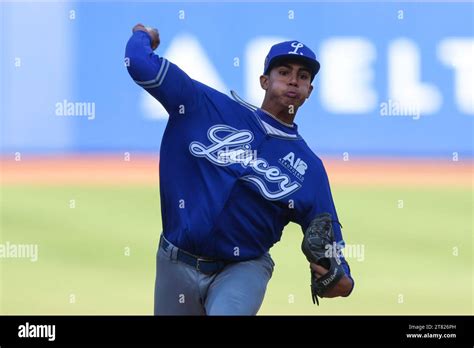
[{"x": 282, "y": 115}]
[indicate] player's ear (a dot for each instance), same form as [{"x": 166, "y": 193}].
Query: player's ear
[
  {"x": 264, "y": 82},
  {"x": 309, "y": 91}
]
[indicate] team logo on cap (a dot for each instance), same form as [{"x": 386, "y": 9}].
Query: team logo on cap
[{"x": 296, "y": 45}]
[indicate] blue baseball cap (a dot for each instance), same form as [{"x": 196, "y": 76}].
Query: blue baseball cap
[{"x": 294, "y": 50}]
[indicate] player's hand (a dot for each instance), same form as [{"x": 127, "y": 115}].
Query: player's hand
[
  {"x": 342, "y": 288},
  {"x": 153, "y": 32},
  {"x": 318, "y": 270}
]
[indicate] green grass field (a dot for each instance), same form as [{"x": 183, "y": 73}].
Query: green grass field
[{"x": 99, "y": 257}]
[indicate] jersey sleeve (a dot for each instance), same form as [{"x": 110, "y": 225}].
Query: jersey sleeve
[
  {"x": 165, "y": 81},
  {"x": 324, "y": 203}
]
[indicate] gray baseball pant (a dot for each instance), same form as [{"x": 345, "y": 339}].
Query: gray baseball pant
[{"x": 238, "y": 289}]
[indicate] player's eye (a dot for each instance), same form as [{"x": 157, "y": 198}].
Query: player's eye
[
  {"x": 283, "y": 72},
  {"x": 304, "y": 76}
]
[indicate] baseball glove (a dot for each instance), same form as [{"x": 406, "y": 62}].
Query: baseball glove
[{"x": 319, "y": 248}]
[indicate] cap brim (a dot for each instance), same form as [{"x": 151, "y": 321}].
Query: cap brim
[{"x": 313, "y": 65}]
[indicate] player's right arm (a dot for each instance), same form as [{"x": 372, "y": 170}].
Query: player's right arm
[{"x": 167, "y": 83}]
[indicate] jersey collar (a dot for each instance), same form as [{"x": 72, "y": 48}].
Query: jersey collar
[{"x": 273, "y": 127}]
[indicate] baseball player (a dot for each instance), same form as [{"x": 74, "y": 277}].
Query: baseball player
[{"x": 232, "y": 176}]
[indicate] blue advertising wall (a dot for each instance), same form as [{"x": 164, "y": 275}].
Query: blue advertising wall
[{"x": 375, "y": 58}]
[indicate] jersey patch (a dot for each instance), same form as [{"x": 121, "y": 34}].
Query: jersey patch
[{"x": 297, "y": 166}]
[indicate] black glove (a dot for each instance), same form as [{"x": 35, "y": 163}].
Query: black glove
[{"x": 319, "y": 248}]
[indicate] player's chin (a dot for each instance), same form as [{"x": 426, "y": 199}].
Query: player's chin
[{"x": 292, "y": 102}]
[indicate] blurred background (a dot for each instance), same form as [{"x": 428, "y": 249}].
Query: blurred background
[{"x": 391, "y": 116}]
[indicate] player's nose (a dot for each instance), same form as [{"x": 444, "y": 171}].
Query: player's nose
[{"x": 293, "y": 79}]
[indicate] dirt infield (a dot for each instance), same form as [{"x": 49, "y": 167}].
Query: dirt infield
[{"x": 115, "y": 169}]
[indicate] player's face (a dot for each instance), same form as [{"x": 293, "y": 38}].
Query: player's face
[{"x": 288, "y": 84}]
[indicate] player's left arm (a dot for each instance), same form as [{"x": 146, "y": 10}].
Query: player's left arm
[
  {"x": 323, "y": 243},
  {"x": 322, "y": 246}
]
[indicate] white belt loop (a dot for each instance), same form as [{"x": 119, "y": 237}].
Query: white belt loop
[
  {"x": 174, "y": 253},
  {"x": 171, "y": 250}
]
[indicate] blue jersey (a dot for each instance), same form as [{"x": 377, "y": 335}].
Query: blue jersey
[{"x": 231, "y": 177}]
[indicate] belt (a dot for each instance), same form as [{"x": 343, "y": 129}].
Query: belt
[{"x": 206, "y": 266}]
